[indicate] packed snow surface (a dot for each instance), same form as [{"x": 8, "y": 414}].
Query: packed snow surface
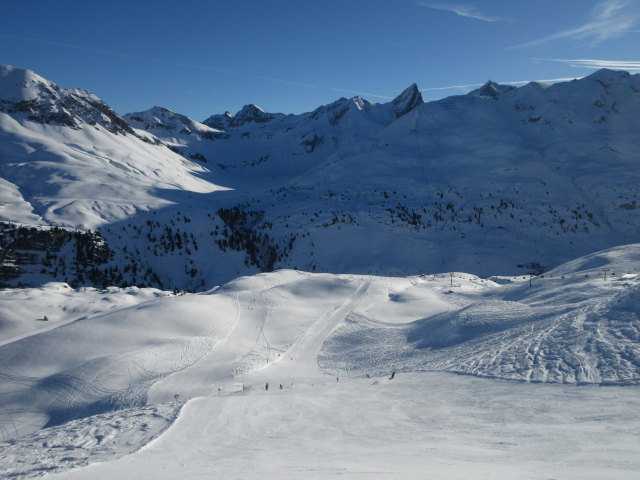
[{"x": 101, "y": 382}]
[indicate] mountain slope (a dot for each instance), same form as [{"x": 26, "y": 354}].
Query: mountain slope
[
  {"x": 75, "y": 161},
  {"x": 114, "y": 349},
  {"x": 501, "y": 180}
]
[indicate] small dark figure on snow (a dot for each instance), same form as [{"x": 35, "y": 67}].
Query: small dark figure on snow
[
  {"x": 280, "y": 386},
  {"x": 393, "y": 374},
  {"x": 266, "y": 386},
  {"x": 45, "y": 318}
]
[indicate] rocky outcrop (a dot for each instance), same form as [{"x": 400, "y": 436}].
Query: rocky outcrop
[
  {"x": 248, "y": 114},
  {"x": 491, "y": 90},
  {"x": 409, "y": 99},
  {"x": 24, "y": 93},
  {"x": 30, "y": 254}
]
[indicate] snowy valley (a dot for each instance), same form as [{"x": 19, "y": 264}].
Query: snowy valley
[
  {"x": 365, "y": 290},
  {"x": 500, "y": 181}
]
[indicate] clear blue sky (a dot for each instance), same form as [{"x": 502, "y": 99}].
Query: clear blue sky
[{"x": 205, "y": 57}]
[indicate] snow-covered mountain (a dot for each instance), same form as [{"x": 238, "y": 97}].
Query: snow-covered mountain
[
  {"x": 69, "y": 160},
  {"x": 323, "y": 368},
  {"x": 501, "y": 180},
  {"x": 175, "y": 129},
  {"x": 27, "y": 95},
  {"x": 248, "y": 114}
]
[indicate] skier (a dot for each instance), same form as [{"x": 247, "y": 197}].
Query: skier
[
  {"x": 393, "y": 374},
  {"x": 266, "y": 386}
]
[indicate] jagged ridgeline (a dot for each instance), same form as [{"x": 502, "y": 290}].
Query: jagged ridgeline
[{"x": 502, "y": 180}]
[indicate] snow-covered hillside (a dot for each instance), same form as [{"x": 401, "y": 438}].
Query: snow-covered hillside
[
  {"x": 502, "y": 180},
  {"x": 109, "y": 369},
  {"x": 362, "y": 350},
  {"x": 67, "y": 159},
  {"x": 482, "y": 182}
]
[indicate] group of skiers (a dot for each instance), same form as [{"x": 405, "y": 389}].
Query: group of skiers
[{"x": 393, "y": 375}]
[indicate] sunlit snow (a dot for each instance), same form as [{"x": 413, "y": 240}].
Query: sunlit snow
[{"x": 561, "y": 401}]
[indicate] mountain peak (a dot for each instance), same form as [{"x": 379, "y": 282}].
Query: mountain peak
[
  {"x": 26, "y": 94},
  {"x": 251, "y": 113},
  {"x": 609, "y": 73},
  {"x": 157, "y": 108},
  {"x": 409, "y": 99},
  {"x": 219, "y": 121},
  {"x": 18, "y": 84},
  {"x": 361, "y": 103},
  {"x": 247, "y": 114},
  {"x": 491, "y": 89},
  {"x": 608, "y": 77},
  {"x": 161, "y": 118}
]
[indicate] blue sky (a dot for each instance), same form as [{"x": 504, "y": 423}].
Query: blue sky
[{"x": 205, "y": 57}]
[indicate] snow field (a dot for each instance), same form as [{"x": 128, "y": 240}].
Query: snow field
[
  {"x": 433, "y": 425},
  {"x": 99, "y": 438},
  {"x": 332, "y": 342},
  {"x": 24, "y": 309},
  {"x": 105, "y": 361}
]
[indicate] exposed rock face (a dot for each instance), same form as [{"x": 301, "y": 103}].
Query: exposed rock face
[
  {"x": 251, "y": 113},
  {"x": 219, "y": 121},
  {"x": 334, "y": 111},
  {"x": 409, "y": 99},
  {"x": 492, "y": 90},
  {"x": 509, "y": 179},
  {"x": 39, "y": 100},
  {"x": 166, "y": 121},
  {"x": 29, "y": 254},
  {"x": 248, "y": 114}
]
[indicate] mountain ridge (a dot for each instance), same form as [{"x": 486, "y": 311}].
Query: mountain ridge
[{"x": 488, "y": 182}]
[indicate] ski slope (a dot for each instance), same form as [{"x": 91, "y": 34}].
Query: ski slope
[
  {"x": 420, "y": 424},
  {"x": 103, "y": 389}
]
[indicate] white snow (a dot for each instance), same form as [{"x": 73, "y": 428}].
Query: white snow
[
  {"x": 483, "y": 183},
  {"x": 371, "y": 373},
  {"x": 105, "y": 384},
  {"x": 426, "y": 425}
]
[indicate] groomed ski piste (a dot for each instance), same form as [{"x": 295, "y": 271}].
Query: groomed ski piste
[{"x": 446, "y": 376}]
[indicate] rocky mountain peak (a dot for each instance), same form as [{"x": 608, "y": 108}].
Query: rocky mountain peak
[
  {"x": 27, "y": 95},
  {"x": 160, "y": 118},
  {"x": 219, "y": 121},
  {"x": 361, "y": 103},
  {"x": 491, "y": 90},
  {"x": 17, "y": 84},
  {"x": 409, "y": 99},
  {"x": 251, "y": 113}
]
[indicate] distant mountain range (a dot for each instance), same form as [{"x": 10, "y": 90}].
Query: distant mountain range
[{"x": 502, "y": 180}]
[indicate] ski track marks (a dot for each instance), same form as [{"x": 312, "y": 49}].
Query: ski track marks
[
  {"x": 301, "y": 330},
  {"x": 77, "y": 443}
]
